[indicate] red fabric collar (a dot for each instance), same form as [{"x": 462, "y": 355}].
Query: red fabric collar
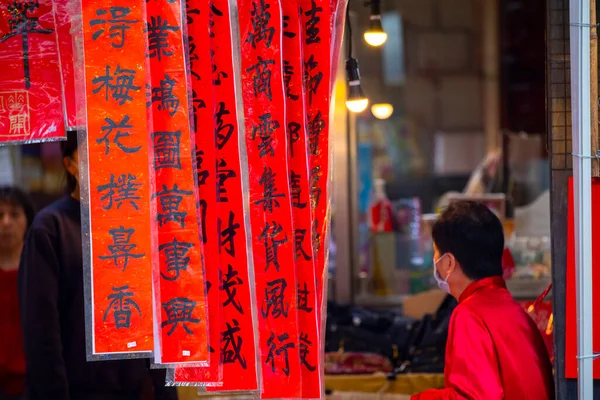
[{"x": 482, "y": 284}]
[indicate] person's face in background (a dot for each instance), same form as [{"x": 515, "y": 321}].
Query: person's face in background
[
  {"x": 13, "y": 225},
  {"x": 71, "y": 164}
]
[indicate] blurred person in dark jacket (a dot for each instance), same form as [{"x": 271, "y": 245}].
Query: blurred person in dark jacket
[
  {"x": 51, "y": 297},
  {"x": 16, "y": 215}
]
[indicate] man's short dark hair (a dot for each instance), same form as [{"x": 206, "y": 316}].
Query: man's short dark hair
[{"x": 473, "y": 234}]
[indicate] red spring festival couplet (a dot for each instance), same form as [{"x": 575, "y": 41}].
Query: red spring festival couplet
[
  {"x": 315, "y": 15},
  {"x": 197, "y": 14},
  {"x": 119, "y": 180},
  {"x": 260, "y": 24},
  {"x": 238, "y": 351},
  {"x": 308, "y": 340},
  {"x": 31, "y": 95},
  {"x": 179, "y": 280}
]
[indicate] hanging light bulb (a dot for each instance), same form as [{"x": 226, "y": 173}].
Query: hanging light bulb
[
  {"x": 375, "y": 35},
  {"x": 382, "y": 110},
  {"x": 356, "y": 100}
]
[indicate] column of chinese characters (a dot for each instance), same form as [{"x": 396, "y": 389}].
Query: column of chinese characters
[
  {"x": 271, "y": 206},
  {"x": 182, "y": 287},
  {"x": 119, "y": 184},
  {"x": 236, "y": 326}
]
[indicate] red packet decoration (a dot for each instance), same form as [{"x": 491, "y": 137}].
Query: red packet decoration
[
  {"x": 31, "y": 96},
  {"x": 179, "y": 280},
  {"x": 198, "y": 46},
  {"x": 120, "y": 323},
  {"x": 315, "y": 17},
  {"x": 308, "y": 344},
  {"x": 270, "y": 203},
  {"x": 238, "y": 351}
]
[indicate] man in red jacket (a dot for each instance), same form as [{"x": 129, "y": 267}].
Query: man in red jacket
[{"x": 494, "y": 349}]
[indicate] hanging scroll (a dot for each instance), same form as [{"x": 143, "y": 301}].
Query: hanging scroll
[
  {"x": 308, "y": 344},
  {"x": 181, "y": 322},
  {"x": 31, "y": 94},
  {"x": 238, "y": 351},
  {"x": 198, "y": 46},
  {"x": 116, "y": 194},
  {"x": 260, "y": 24},
  {"x": 315, "y": 16}
]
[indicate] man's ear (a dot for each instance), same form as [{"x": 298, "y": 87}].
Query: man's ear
[{"x": 452, "y": 263}]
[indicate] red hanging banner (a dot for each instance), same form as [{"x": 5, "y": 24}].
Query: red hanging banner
[
  {"x": 120, "y": 323},
  {"x": 197, "y": 13},
  {"x": 308, "y": 345},
  {"x": 238, "y": 351},
  {"x": 315, "y": 17},
  {"x": 270, "y": 203},
  {"x": 31, "y": 95},
  {"x": 179, "y": 280}
]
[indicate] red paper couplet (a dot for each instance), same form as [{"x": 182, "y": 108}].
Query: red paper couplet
[
  {"x": 315, "y": 16},
  {"x": 197, "y": 12},
  {"x": 308, "y": 345},
  {"x": 571, "y": 306},
  {"x": 119, "y": 181},
  {"x": 179, "y": 280},
  {"x": 31, "y": 95},
  {"x": 270, "y": 203},
  {"x": 238, "y": 351},
  {"x": 338, "y": 19}
]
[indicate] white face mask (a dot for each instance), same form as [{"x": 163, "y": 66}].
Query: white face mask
[{"x": 442, "y": 283}]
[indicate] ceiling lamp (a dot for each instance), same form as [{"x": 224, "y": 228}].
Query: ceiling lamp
[
  {"x": 356, "y": 101},
  {"x": 375, "y": 35},
  {"x": 382, "y": 110}
]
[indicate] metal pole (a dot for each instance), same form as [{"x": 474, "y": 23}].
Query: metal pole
[{"x": 582, "y": 177}]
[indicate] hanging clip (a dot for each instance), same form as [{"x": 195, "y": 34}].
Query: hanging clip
[
  {"x": 597, "y": 156},
  {"x": 595, "y": 355},
  {"x": 581, "y": 25}
]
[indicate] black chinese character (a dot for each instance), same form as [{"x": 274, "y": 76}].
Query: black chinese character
[
  {"x": 213, "y": 11},
  {"x": 21, "y": 23},
  {"x": 125, "y": 189},
  {"x": 296, "y": 191},
  {"x": 216, "y": 73},
  {"x": 231, "y": 351},
  {"x": 167, "y": 153},
  {"x": 121, "y": 249},
  {"x": 179, "y": 311},
  {"x": 265, "y": 131},
  {"x": 196, "y": 105},
  {"x": 261, "y": 31},
  {"x": 271, "y": 243},
  {"x": 299, "y": 236},
  {"x": 288, "y": 75},
  {"x": 203, "y": 207},
  {"x": 121, "y": 132},
  {"x": 203, "y": 174},
  {"x": 176, "y": 258},
  {"x": 117, "y": 21},
  {"x": 223, "y": 131},
  {"x": 316, "y": 237},
  {"x": 273, "y": 350},
  {"x": 193, "y": 55},
  {"x": 312, "y": 30},
  {"x": 289, "y": 34},
  {"x": 223, "y": 174},
  {"x": 227, "y": 234},
  {"x": 189, "y": 11},
  {"x": 270, "y": 191},
  {"x": 311, "y": 82},
  {"x": 305, "y": 346},
  {"x": 294, "y": 135},
  {"x": 275, "y": 305},
  {"x": 170, "y": 201},
  {"x": 315, "y": 127},
  {"x": 229, "y": 281},
  {"x": 315, "y": 190},
  {"x": 261, "y": 77},
  {"x": 158, "y": 37},
  {"x": 121, "y": 304},
  {"x": 165, "y": 97},
  {"x": 119, "y": 90},
  {"x": 303, "y": 303}
]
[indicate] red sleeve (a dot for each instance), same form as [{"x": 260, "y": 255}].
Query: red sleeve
[{"x": 471, "y": 369}]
